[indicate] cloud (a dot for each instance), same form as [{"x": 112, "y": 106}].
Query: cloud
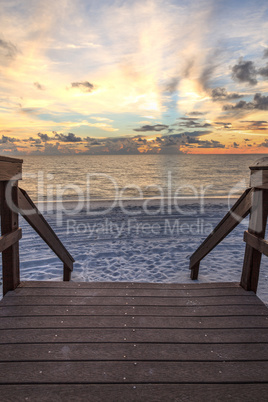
[
  {"x": 56, "y": 145},
  {"x": 206, "y": 75},
  {"x": 264, "y": 144},
  {"x": 115, "y": 146},
  {"x": 256, "y": 124},
  {"x": 190, "y": 139},
  {"x": 8, "y": 149},
  {"x": 7, "y": 49},
  {"x": 39, "y": 86},
  {"x": 265, "y": 53},
  {"x": 6, "y": 139},
  {"x": 192, "y": 123},
  {"x": 70, "y": 137},
  {"x": 192, "y": 133},
  {"x": 221, "y": 94},
  {"x": 260, "y": 102},
  {"x": 31, "y": 110},
  {"x": 244, "y": 71},
  {"x": 101, "y": 119},
  {"x": 35, "y": 141},
  {"x": 44, "y": 137},
  {"x": 84, "y": 86},
  {"x": 156, "y": 127},
  {"x": 171, "y": 85},
  {"x": 235, "y": 145},
  {"x": 242, "y": 105},
  {"x": 224, "y": 124},
  {"x": 210, "y": 144},
  {"x": 102, "y": 125},
  {"x": 263, "y": 71},
  {"x": 187, "y": 139},
  {"x": 52, "y": 149},
  {"x": 196, "y": 113}
]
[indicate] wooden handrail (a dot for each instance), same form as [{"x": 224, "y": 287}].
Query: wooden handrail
[
  {"x": 238, "y": 212},
  {"x": 10, "y": 239},
  {"x": 256, "y": 242},
  {"x": 34, "y": 217}
]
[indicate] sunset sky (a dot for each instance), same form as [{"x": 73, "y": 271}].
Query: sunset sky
[{"x": 135, "y": 76}]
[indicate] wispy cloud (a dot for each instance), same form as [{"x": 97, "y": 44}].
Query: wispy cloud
[
  {"x": 221, "y": 94},
  {"x": 84, "y": 86},
  {"x": 156, "y": 127},
  {"x": 39, "y": 86},
  {"x": 8, "y": 49}
]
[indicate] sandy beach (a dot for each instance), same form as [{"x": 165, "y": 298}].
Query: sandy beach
[{"x": 134, "y": 244}]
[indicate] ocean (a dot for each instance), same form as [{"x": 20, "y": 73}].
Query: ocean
[{"x": 48, "y": 178}]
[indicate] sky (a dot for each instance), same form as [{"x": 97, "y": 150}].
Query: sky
[{"x": 137, "y": 76}]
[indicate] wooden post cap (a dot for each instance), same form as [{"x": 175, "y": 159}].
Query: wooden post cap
[
  {"x": 259, "y": 173},
  {"x": 260, "y": 164},
  {"x": 10, "y": 168}
]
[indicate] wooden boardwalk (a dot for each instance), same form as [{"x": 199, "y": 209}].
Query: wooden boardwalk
[{"x": 70, "y": 341}]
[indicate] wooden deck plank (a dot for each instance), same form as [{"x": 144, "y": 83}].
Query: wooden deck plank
[
  {"x": 126, "y": 335},
  {"x": 141, "y": 352},
  {"x": 182, "y": 293},
  {"x": 77, "y": 321},
  {"x": 81, "y": 310},
  {"x": 79, "y": 305},
  {"x": 149, "y": 301},
  {"x": 129, "y": 372},
  {"x": 135, "y": 392},
  {"x": 129, "y": 285}
]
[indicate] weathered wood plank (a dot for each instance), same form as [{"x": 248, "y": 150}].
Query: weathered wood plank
[
  {"x": 141, "y": 352},
  {"x": 155, "y": 293},
  {"x": 135, "y": 392},
  {"x": 256, "y": 242},
  {"x": 4, "y": 158},
  {"x": 10, "y": 168},
  {"x": 259, "y": 177},
  {"x": 141, "y": 372},
  {"x": 131, "y": 285},
  {"x": 146, "y": 301},
  {"x": 132, "y": 322},
  {"x": 99, "y": 335},
  {"x": 10, "y": 239},
  {"x": 146, "y": 293},
  {"x": 77, "y": 304}
]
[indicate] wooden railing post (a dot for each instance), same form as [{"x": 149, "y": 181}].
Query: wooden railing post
[
  {"x": 10, "y": 170},
  {"x": 257, "y": 224},
  {"x": 67, "y": 272}
]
